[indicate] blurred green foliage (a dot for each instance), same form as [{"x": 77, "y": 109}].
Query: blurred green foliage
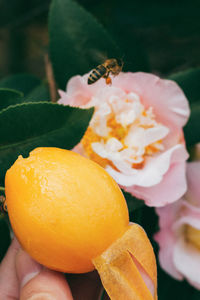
[
  {"x": 164, "y": 33},
  {"x": 71, "y": 51}
]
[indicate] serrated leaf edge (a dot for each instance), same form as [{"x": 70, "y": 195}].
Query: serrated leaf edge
[{"x": 50, "y": 132}]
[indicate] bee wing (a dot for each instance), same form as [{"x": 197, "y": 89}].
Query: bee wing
[{"x": 96, "y": 56}]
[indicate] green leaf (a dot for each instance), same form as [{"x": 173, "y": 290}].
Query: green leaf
[
  {"x": 39, "y": 93},
  {"x": 132, "y": 202},
  {"x": 9, "y": 97},
  {"x": 31, "y": 125},
  {"x": 78, "y": 43},
  {"x": 4, "y": 237},
  {"x": 24, "y": 83},
  {"x": 189, "y": 82},
  {"x": 135, "y": 56},
  {"x": 34, "y": 89},
  {"x": 192, "y": 128}
]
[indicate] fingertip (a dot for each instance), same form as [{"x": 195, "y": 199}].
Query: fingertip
[
  {"x": 36, "y": 282},
  {"x": 26, "y": 267},
  {"x": 8, "y": 277},
  {"x": 47, "y": 285}
]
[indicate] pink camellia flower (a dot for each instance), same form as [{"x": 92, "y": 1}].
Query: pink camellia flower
[
  {"x": 136, "y": 132},
  {"x": 179, "y": 235}
]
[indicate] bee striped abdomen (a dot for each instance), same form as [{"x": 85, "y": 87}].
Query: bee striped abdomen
[{"x": 96, "y": 74}]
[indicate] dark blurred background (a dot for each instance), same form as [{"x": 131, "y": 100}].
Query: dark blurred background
[{"x": 166, "y": 33}]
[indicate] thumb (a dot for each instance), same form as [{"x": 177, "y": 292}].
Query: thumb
[{"x": 38, "y": 283}]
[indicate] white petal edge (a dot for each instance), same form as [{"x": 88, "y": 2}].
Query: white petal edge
[
  {"x": 187, "y": 261},
  {"x": 153, "y": 171}
]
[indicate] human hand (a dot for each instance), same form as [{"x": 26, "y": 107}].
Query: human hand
[{"x": 23, "y": 278}]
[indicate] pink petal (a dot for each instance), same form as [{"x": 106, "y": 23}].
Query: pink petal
[
  {"x": 193, "y": 178},
  {"x": 64, "y": 98},
  {"x": 176, "y": 254},
  {"x": 188, "y": 214},
  {"x": 160, "y": 182},
  {"x": 187, "y": 261},
  {"x": 79, "y": 149},
  {"x": 168, "y": 214},
  {"x": 153, "y": 171},
  {"x": 166, "y": 240},
  {"x": 170, "y": 189},
  {"x": 166, "y": 237},
  {"x": 77, "y": 94},
  {"x": 147, "y": 280},
  {"x": 190, "y": 206},
  {"x": 167, "y": 99}
]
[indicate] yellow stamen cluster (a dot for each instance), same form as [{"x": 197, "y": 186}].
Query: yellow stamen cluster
[
  {"x": 89, "y": 138},
  {"x": 192, "y": 236},
  {"x": 118, "y": 131},
  {"x": 151, "y": 149}
]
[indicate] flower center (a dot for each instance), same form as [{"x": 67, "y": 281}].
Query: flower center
[
  {"x": 87, "y": 141},
  {"x": 122, "y": 130},
  {"x": 192, "y": 236}
]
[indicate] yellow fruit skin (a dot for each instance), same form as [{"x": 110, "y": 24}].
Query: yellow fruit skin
[{"x": 64, "y": 209}]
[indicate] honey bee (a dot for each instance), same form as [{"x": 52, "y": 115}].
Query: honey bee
[{"x": 110, "y": 66}]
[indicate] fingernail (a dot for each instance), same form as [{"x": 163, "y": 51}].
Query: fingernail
[{"x": 26, "y": 267}]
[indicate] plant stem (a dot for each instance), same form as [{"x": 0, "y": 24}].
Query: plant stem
[
  {"x": 2, "y": 188},
  {"x": 50, "y": 79}
]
